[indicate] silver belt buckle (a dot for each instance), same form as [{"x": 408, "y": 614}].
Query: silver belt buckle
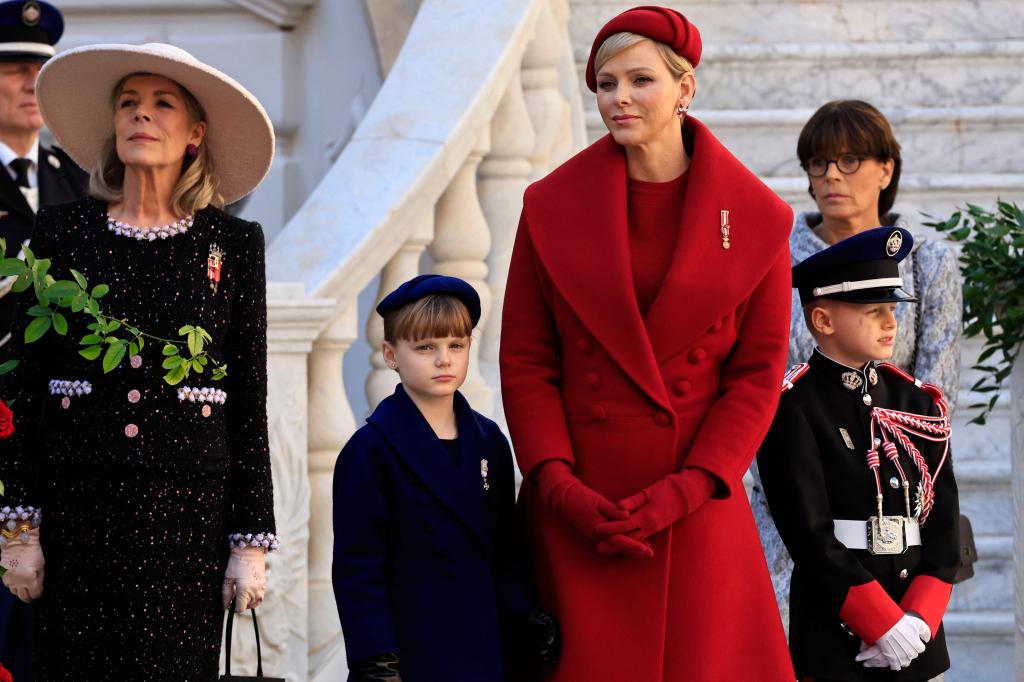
[{"x": 887, "y": 535}]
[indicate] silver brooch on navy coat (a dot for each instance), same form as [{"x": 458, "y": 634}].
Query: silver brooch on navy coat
[
  {"x": 213, "y": 264},
  {"x": 483, "y": 474}
]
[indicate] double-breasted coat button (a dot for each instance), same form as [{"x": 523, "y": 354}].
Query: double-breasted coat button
[
  {"x": 903, "y": 574},
  {"x": 593, "y": 380},
  {"x": 136, "y": 361},
  {"x": 134, "y": 396},
  {"x": 662, "y": 419},
  {"x": 131, "y": 430},
  {"x": 681, "y": 387},
  {"x": 598, "y": 412},
  {"x": 697, "y": 355},
  {"x": 866, "y": 398},
  {"x": 585, "y": 346},
  {"x": 894, "y": 482}
]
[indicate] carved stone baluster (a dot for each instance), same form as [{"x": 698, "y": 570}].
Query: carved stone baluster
[
  {"x": 293, "y": 322},
  {"x": 504, "y": 175},
  {"x": 548, "y": 109},
  {"x": 403, "y": 266},
  {"x": 1017, "y": 490},
  {"x": 460, "y": 247},
  {"x": 331, "y": 424}
]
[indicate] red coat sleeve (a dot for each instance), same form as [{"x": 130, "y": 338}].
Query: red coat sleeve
[
  {"x": 738, "y": 421},
  {"x": 531, "y": 369}
]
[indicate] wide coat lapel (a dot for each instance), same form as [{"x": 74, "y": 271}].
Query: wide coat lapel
[
  {"x": 402, "y": 425},
  {"x": 707, "y": 281},
  {"x": 578, "y": 223}
]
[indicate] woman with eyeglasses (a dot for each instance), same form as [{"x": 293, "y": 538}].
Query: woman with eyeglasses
[{"x": 852, "y": 161}]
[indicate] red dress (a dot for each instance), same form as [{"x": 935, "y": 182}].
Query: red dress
[{"x": 628, "y": 398}]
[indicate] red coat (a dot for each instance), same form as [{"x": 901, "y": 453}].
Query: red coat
[{"x": 628, "y": 400}]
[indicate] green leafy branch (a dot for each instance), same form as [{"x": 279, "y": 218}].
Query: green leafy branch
[
  {"x": 109, "y": 337},
  {"x": 992, "y": 263}
]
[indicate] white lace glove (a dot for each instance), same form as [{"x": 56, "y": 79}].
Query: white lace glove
[
  {"x": 245, "y": 579},
  {"x": 23, "y": 561},
  {"x": 900, "y": 645}
]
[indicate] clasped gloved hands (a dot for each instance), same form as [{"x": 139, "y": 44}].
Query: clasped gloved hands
[
  {"x": 245, "y": 579},
  {"x": 658, "y": 506},
  {"x": 898, "y": 647},
  {"x": 22, "y": 559},
  {"x": 583, "y": 508}
]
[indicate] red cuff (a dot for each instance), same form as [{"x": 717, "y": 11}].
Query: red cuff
[
  {"x": 870, "y": 611},
  {"x": 927, "y": 596}
]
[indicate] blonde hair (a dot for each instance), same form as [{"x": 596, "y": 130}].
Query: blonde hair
[
  {"x": 430, "y": 317},
  {"x": 617, "y": 42},
  {"x": 196, "y": 187}
]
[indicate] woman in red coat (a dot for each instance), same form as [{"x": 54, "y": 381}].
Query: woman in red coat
[{"x": 643, "y": 344}]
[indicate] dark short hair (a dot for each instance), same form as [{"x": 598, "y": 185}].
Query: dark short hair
[
  {"x": 430, "y": 317},
  {"x": 851, "y": 125}
]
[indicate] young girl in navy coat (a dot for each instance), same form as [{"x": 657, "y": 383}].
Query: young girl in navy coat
[{"x": 428, "y": 575}]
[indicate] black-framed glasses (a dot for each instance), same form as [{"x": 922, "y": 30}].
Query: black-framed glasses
[{"x": 847, "y": 164}]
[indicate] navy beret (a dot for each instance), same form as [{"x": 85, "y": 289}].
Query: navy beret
[
  {"x": 432, "y": 285},
  {"x": 861, "y": 269},
  {"x": 29, "y": 30}
]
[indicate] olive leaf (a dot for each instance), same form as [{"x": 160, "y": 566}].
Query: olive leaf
[{"x": 992, "y": 264}]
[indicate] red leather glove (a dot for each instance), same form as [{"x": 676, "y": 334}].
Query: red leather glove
[
  {"x": 661, "y": 504},
  {"x": 583, "y": 508}
]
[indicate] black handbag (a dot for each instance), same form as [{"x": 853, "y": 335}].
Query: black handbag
[
  {"x": 968, "y": 552},
  {"x": 227, "y": 676}
]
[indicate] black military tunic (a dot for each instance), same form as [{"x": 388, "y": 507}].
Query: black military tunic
[
  {"x": 60, "y": 181},
  {"x": 139, "y": 487},
  {"x": 814, "y": 469}
]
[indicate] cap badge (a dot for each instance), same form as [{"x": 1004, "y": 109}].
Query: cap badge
[
  {"x": 30, "y": 13},
  {"x": 852, "y": 380},
  {"x": 893, "y": 243}
]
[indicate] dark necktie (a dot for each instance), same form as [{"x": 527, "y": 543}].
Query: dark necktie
[{"x": 20, "y": 168}]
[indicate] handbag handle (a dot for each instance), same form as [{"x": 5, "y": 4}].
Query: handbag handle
[{"x": 227, "y": 643}]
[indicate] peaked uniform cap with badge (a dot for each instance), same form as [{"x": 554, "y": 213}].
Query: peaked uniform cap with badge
[
  {"x": 29, "y": 30},
  {"x": 74, "y": 91},
  {"x": 861, "y": 269},
  {"x": 432, "y": 285}
]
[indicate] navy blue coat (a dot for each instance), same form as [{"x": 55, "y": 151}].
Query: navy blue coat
[{"x": 426, "y": 561}]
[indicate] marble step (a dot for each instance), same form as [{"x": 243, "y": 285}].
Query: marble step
[
  {"x": 980, "y": 645},
  {"x": 914, "y": 74},
  {"x": 993, "y": 577},
  {"x": 936, "y": 194},
  {"x": 801, "y": 21},
  {"x": 934, "y": 140}
]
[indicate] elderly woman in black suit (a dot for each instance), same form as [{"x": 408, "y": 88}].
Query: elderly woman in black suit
[{"x": 156, "y": 499}]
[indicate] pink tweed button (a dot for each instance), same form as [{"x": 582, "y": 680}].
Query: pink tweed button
[
  {"x": 206, "y": 410},
  {"x": 134, "y": 396},
  {"x": 65, "y": 402},
  {"x": 131, "y": 430},
  {"x": 136, "y": 361}
]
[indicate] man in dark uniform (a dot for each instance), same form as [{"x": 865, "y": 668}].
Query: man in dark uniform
[
  {"x": 32, "y": 176},
  {"x": 857, "y": 473}
]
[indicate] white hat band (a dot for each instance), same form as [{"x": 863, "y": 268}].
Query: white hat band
[
  {"x": 41, "y": 49},
  {"x": 843, "y": 287}
]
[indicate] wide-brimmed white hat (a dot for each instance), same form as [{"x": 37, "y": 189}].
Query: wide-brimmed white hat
[{"x": 74, "y": 93}]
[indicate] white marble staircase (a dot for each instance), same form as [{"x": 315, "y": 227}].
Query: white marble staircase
[{"x": 947, "y": 74}]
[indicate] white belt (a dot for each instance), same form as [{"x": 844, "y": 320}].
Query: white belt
[{"x": 854, "y": 534}]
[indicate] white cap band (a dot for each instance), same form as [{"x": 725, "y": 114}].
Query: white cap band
[
  {"x": 886, "y": 282},
  {"x": 41, "y": 49}
]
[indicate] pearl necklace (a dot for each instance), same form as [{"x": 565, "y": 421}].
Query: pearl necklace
[{"x": 149, "y": 233}]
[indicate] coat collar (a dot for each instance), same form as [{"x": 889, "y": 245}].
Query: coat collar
[
  {"x": 578, "y": 222},
  {"x": 459, "y": 489}
]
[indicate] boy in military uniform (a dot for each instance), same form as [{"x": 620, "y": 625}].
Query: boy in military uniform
[
  {"x": 857, "y": 473},
  {"x": 428, "y": 575}
]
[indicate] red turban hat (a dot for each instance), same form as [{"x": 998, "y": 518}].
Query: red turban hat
[{"x": 657, "y": 23}]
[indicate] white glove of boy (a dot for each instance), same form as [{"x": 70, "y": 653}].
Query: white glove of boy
[
  {"x": 245, "y": 579},
  {"x": 23, "y": 562},
  {"x": 899, "y": 646}
]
